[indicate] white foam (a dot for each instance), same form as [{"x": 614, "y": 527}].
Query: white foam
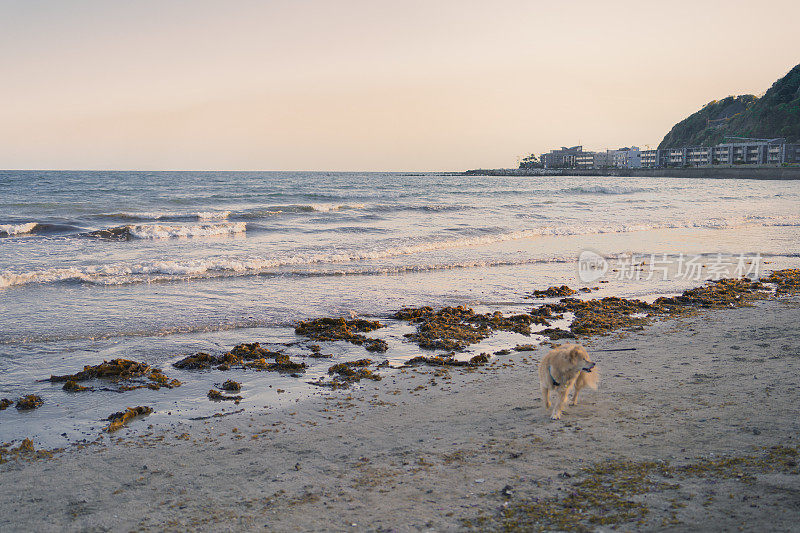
[
  {"x": 213, "y": 215},
  {"x": 161, "y": 231},
  {"x": 8, "y": 230},
  {"x": 605, "y": 189}
]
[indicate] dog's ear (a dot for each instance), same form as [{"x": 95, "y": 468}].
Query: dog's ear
[{"x": 575, "y": 354}]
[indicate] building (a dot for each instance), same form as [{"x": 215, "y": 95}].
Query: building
[
  {"x": 561, "y": 158},
  {"x": 626, "y": 157},
  {"x": 594, "y": 159},
  {"x": 650, "y": 158},
  {"x": 738, "y": 151},
  {"x": 735, "y": 151}
]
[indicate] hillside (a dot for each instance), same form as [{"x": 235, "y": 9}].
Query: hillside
[{"x": 776, "y": 114}]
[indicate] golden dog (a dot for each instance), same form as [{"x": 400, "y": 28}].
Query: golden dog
[{"x": 562, "y": 368}]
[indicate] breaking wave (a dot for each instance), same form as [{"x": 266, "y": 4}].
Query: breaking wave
[
  {"x": 161, "y": 231},
  {"x": 9, "y": 230}
]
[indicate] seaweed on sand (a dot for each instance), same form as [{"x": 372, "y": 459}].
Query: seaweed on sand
[
  {"x": 608, "y": 493},
  {"x": 31, "y": 401},
  {"x": 553, "y": 292},
  {"x": 476, "y": 360},
  {"x": 131, "y": 374},
  {"x": 118, "y": 420},
  {"x": 5, "y": 403},
  {"x": 202, "y": 361},
  {"x": 24, "y": 451},
  {"x": 347, "y": 373},
  {"x": 455, "y": 328},
  {"x": 217, "y": 396},
  {"x": 74, "y": 386},
  {"x": 249, "y": 355},
  {"x": 114, "y": 369},
  {"x": 786, "y": 281},
  {"x": 282, "y": 364},
  {"x": 340, "y": 329},
  {"x": 231, "y": 386}
]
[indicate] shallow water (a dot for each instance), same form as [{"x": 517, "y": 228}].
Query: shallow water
[{"x": 154, "y": 266}]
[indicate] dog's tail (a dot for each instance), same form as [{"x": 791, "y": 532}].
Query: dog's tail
[{"x": 591, "y": 379}]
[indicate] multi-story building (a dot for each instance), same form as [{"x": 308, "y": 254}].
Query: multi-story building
[
  {"x": 627, "y": 157},
  {"x": 562, "y": 158},
  {"x": 650, "y": 158},
  {"x": 737, "y": 151}
]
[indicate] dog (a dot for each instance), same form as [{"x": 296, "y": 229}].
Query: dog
[{"x": 562, "y": 368}]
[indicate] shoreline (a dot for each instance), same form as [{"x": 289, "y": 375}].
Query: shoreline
[
  {"x": 439, "y": 447},
  {"x": 715, "y": 172}
]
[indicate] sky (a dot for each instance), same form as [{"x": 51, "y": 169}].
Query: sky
[{"x": 367, "y": 85}]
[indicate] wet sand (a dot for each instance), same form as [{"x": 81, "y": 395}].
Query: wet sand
[{"x": 427, "y": 449}]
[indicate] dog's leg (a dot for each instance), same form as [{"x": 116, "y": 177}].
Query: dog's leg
[
  {"x": 561, "y": 399},
  {"x": 578, "y": 387},
  {"x": 546, "y": 397}
]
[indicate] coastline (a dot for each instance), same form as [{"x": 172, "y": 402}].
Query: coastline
[
  {"x": 715, "y": 172},
  {"x": 446, "y": 448}
]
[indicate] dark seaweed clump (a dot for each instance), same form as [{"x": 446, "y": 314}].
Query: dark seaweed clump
[
  {"x": 217, "y": 396},
  {"x": 347, "y": 373},
  {"x": 25, "y": 451},
  {"x": 231, "y": 386},
  {"x": 130, "y": 375},
  {"x": 340, "y": 329},
  {"x": 449, "y": 360},
  {"x": 452, "y": 329},
  {"x": 31, "y": 401},
  {"x": 118, "y": 420},
  {"x": 602, "y": 316},
  {"x": 74, "y": 386},
  {"x": 249, "y": 355},
  {"x": 553, "y": 292},
  {"x": 5, "y": 403}
]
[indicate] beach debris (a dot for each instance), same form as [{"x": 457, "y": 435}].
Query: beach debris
[
  {"x": 455, "y": 328},
  {"x": 553, "y": 292},
  {"x": 28, "y": 402},
  {"x": 202, "y": 361},
  {"x": 347, "y": 373},
  {"x": 114, "y": 369},
  {"x": 524, "y": 347},
  {"x": 74, "y": 386},
  {"x": 252, "y": 351},
  {"x": 341, "y": 329},
  {"x": 282, "y": 364},
  {"x": 609, "y": 493},
  {"x": 448, "y": 360},
  {"x": 231, "y": 386},
  {"x": 787, "y": 281},
  {"x": 25, "y": 451},
  {"x": 159, "y": 380},
  {"x": 5, "y": 403},
  {"x": 217, "y": 396},
  {"x": 249, "y": 356},
  {"x": 130, "y": 375},
  {"x": 118, "y": 420}
]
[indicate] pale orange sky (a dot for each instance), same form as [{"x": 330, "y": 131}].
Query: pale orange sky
[{"x": 367, "y": 85}]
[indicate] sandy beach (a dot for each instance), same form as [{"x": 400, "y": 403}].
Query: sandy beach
[{"x": 712, "y": 396}]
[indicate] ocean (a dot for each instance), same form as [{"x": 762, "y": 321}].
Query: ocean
[{"x": 154, "y": 266}]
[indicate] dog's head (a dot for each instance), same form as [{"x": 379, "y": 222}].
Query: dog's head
[{"x": 580, "y": 358}]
